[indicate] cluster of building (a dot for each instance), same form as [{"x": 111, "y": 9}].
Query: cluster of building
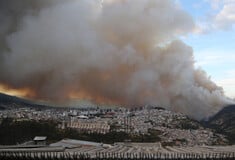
[
  {"x": 135, "y": 121},
  {"x": 21, "y": 114},
  {"x": 89, "y": 127},
  {"x": 169, "y": 124}
]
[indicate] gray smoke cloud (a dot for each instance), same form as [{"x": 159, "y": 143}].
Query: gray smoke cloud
[{"x": 111, "y": 51}]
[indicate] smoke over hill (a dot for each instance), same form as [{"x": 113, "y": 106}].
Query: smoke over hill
[{"x": 112, "y": 51}]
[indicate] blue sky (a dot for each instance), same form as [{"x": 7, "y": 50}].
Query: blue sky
[{"x": 213, "y": 41}]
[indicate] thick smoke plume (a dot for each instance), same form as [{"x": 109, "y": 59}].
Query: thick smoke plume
[{"x": 111, "y": 51}]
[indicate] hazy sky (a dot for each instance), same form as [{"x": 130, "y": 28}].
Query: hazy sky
[{"x": 214, "y": 39}]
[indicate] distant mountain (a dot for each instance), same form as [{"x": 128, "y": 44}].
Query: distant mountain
[
  {"x": 224, "y": 122},
  {"x": 7, "y": 102}
]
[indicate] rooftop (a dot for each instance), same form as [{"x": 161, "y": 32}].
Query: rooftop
[{"x": 40, "y": 138}]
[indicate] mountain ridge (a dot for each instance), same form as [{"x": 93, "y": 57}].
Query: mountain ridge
[
  {"x": 223, "y": 122},
  {"x": 8, "y": 101}
]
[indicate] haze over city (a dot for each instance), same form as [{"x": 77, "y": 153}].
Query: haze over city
[
  {"x": 117, "y": 79},
  {"x": 175, "y": 54}
]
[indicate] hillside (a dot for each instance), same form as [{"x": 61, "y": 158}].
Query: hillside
[
  {"x": 170, "y": 127},
  {"x": 224, "y": 122},
  {"x": 7, "y": 102}
]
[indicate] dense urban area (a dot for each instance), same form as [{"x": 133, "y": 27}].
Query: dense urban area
[
  {"x": 35, "y": 131},
  {"x": 155, "y": 123}
]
